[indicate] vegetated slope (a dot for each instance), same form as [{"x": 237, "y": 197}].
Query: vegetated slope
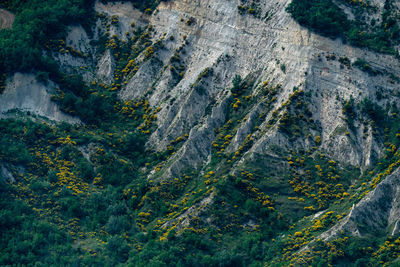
[
  {"x": 212, "y": 134},
  {"x": 371, "y": 24}
]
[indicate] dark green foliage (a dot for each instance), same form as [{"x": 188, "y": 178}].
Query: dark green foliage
[
  {"x": 26, "y": 239},
  {"x": 283, "y": 68},
  {"x": 36, "y": 23},
  {"x": 118, "y": 248},
  {"x": 345, "y": 61},
  {"x": 326, "y": 18},
  {"x": 349, "y": 110},
  {"x": 297, "y": 120},
  {"x": 351, "y": 251},
  {"x": 117, "y": 224},
  {"x": 366, "y": 67},
  {"x": 237, "y": 84},
  {"x": 373, "y": 111},
  {"x": 323, "y": 16},
  {"x": 251, "y": 7},
  {"x": 71, "y": 206},
  {"x": 43, "y": 239}
]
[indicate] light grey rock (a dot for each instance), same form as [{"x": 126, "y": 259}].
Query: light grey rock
[
  {"x": 78, "y": 39},
  {"x": 105, "y": 68},
  {"x": 378, "y": 213},
  {"x": 251, "y": 45},
  {"x": 125, "y": 13},
  {"x": 6, "y": 19},
  {"x": 6, "y": 175},
  {"x": 198, "y": 146},
  {"x": 23, "y": 92},
  {"x": 184, "y": 220},
  {"x": 142, "y": 80},
  {"x": 229, "y": 43}
]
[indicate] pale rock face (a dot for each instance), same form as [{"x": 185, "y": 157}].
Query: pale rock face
[
  {"x": 142, "y": 81},
  {"x": 377, "y": 213},
  {"x": 6, "y": 175},
  {"x": 194, "y": 152},
  {"x": 78, "y": 39},
  {"x": 125, "y": 13},
  {"x": 185, "y": 218},
  {"x": 105, "y": 68},
  {"x": 255, "y": 45},
  {"x": 229, "y": 43},
  {"x": 73, "y": 64},
  {"x": 23, "y": 92}
]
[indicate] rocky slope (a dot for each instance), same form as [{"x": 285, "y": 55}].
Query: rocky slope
[
  {"x": 377, "y": 213},
  {"x": 254, "y": 46},
  {"x": 23, "y": 92}
]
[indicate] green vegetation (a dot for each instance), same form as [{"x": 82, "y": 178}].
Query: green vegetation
[
  {"x": 283, "y": 68},
  {"x": 81, "y": 194},
  {"x": 297, "y": 121},
  {"x": 21, "y": 48},
  {"x": 47, "y": 209},
  {"x": 251, "y": 7},
  {"x": 327, "y": 18},
  {"x": 320, "y": 15},
  {"x": 366, "y": 67}
]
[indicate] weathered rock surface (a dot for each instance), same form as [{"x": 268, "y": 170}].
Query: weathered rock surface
[
  {"x": 6, "y": 175},
  {"x": 253, "y": 45},
  {"x": 23, "y": 92},
  {"x": 218, "y": 37},
  {"x": 105, "y": 68},
  {"x": 377, "y": 213}
]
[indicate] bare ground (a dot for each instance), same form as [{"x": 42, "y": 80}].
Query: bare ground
[{"x": 6, "y": 19}]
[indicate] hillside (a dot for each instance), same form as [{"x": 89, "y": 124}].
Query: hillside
[{"x": 203, "y": 133}]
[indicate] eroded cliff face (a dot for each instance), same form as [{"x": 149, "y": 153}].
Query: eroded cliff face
[
  {"x": 24, "y": 93},
  {"x": 376, "y": 214},
  {"x": 212, "y": 34}
]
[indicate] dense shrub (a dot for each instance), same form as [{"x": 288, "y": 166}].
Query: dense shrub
[
  {"x": 326, "y": 18},
  {"x": 36, "y": 23},
  {"x": 372, "y": 110},
  {"x": 323, "y": 16}
]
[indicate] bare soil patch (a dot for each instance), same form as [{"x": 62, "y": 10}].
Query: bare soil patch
[{"x": 6, "y": 19}]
